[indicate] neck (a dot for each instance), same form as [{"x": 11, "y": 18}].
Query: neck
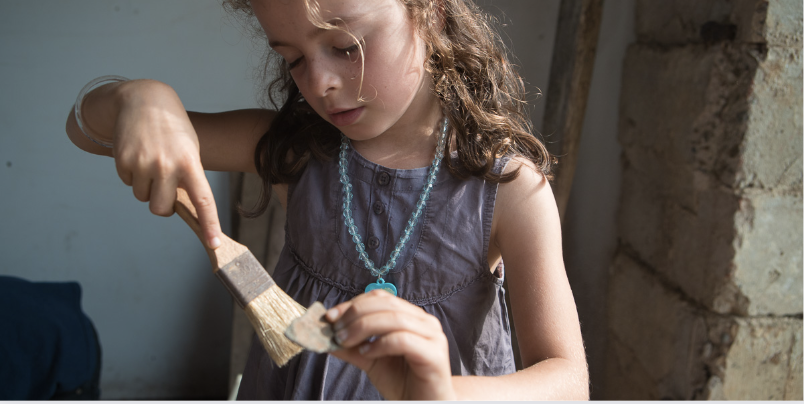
[{"x": 410, "y": 142}]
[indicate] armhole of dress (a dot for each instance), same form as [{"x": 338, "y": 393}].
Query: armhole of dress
[
  {"x": 489, "y": 203},
  {"x": 288, "y": 238}
]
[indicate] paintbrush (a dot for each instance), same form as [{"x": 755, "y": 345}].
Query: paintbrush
[{"x": 267, "y": 306}]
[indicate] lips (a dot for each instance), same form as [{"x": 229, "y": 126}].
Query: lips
[{"x": 341, "y": 117}]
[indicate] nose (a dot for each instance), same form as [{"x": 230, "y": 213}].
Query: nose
[{"x": 323, "y": 79}]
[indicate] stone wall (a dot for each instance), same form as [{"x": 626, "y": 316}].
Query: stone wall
[{"x": 705, "y": 291}]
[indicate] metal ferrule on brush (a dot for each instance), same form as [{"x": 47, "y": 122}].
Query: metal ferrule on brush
[{"x": 245, "y": 278}]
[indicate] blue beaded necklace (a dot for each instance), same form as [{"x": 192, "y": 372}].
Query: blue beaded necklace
[{"x": 414, "y": 217}]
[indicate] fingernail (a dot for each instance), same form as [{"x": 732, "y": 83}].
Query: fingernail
[
  {"x": 341, "y": 335},
  {"x": 364, "y": 348},
  {"x": 215, "y": 242},
  {"x": 332, "y": 314}
]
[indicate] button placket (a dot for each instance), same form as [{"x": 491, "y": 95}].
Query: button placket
[{"x": 379, "y": 226}]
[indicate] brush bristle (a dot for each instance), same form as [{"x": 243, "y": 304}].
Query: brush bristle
[{"x": 270, "y": 314}]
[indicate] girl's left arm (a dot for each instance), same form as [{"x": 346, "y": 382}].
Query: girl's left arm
[{"x": 527, "y": 234}]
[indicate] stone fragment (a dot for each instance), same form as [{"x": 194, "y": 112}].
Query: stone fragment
[{"x": 312, "y": 331}]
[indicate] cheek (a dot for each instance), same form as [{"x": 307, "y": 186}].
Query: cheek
[{"x": 394, "y": 73}]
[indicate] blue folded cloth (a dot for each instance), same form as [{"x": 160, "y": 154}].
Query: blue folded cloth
[{"x": 48, "y": 346}]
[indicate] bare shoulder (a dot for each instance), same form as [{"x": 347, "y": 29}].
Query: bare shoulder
[{"x": 526, "y": 201}]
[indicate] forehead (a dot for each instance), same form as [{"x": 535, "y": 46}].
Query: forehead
[{"x": 282, "y": 18}]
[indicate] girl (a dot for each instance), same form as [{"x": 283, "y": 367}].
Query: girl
[{"x": 376, "y": 92}]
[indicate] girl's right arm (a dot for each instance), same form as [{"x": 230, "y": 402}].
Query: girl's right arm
[{"x": 159, "y": 146}]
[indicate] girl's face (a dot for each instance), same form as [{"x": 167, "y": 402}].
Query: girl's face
[{"x": 327, "y": 68}]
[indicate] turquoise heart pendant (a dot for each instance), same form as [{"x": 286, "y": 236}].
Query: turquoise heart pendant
[{"x": 383, "y": 285}]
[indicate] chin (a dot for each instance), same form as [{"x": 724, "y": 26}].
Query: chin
[{"x": 358, "y": 132}]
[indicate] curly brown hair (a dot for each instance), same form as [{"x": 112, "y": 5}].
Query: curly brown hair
[{"x": 477, "y": 85}]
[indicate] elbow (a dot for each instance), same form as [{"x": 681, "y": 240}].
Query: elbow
[{"x": 579, "y": 389}]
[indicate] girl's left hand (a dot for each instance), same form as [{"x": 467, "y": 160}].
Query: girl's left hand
[{"x": 408, "y": 358}]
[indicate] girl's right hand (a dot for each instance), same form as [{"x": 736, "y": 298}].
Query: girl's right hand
[{"x": 156, "y": 148}]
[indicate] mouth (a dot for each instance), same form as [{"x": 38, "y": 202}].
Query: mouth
[{"x": 344, "y": 117}]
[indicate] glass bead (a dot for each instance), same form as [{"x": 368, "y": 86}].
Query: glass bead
[{"x": 423, "y": 198}]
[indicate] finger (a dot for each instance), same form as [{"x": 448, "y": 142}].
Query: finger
[
  {"x": 420, "y": 352},
  {"x": 387, "y": 322},
  {"x": 336, "y": 312},
  {"x": 353, "y": 356},
  {"x": 141, "y": 186},
  {"x": 201, "y": 196},
  {"x": 163, "y": 195},
  {"x": 123, "y": 173},
  {"x": 372, "y": 302}
]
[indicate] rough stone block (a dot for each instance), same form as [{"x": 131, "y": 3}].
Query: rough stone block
[
  {"x": 764, "y": 361},
  {"x": 662, "y": 346},
  {"x": 674, "y": 22},
  {"x": 681, "y": 21},
  {"x": 705, "y": 132},
  {"x": 732, "y": 254},
  {"x": 770, "y": 156},
  {"x": 684, "y": 113},
  {"x": 658, "y": 343},
  {"x": 768, "y": 260},
  {"x": 691, "y": 247},
  {"x": 776, "y": 23}
]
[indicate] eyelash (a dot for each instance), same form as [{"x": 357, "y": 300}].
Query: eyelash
[
  {"x": 347, "y": 51},
  {"x": 343, "y": 51}
]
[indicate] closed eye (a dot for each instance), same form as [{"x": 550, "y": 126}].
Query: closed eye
[
  {"x": 352, "y": 49},
  {"x": 347, "y": 51},
  {"x": 294, "y": 63}
]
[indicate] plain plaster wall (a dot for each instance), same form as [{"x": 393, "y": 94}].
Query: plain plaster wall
[{"x": 163, "y": 319}]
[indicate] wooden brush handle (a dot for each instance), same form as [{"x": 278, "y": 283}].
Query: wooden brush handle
[{"x": 219, "y": 257}]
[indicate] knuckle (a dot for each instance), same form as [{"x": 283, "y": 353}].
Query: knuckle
[
  {"x": 204, "y": 201},
  {"x": 402, "y": 320},
  {"x": 357, "y": 327},
  {"x": 140, "y": 195},
  {"x": 161, "y": 210},
  {"x": 188, "y": 161},
  {"x": 435, "y": 323},
  {"x": 377, "y": 293},
  {"x": 125, "y": 177},
  {"x": 163, "y": 166},
  {"x": 404, "y": 339}
]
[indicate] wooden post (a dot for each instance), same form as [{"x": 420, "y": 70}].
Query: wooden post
[{"x": 568, "y": 89}]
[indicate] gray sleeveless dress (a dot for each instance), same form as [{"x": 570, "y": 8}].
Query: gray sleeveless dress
[{"x": 443, "y": 269}]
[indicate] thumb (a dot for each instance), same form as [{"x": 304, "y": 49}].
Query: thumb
[{"x": 201, "y": 196}]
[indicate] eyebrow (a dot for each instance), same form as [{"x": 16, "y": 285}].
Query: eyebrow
[{"x": 318, "y": 30}]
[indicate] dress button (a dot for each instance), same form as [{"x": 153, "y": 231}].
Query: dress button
[
  {"x": 378, "y": 208},
  {"x": 373, "y": 242},
  {"x": 384, "y": 178}
]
